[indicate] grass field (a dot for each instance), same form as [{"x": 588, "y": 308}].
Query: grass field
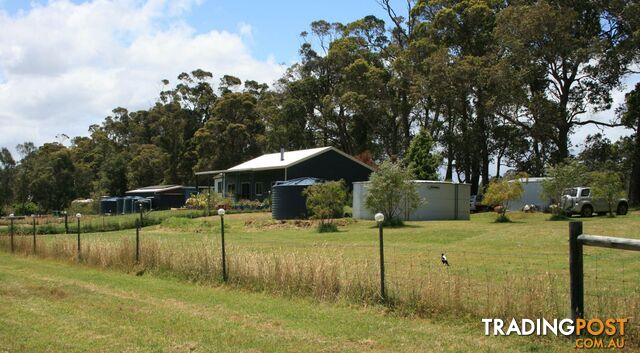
[
  {"x": 518, "y": 269},
  {"x": 48, "y": 306}
]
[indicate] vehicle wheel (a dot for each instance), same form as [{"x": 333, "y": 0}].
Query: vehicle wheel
[
  {"x": 587, "y": 211},
  {"x": 622, "y": 209}
]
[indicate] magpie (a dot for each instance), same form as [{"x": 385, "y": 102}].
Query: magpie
[{"x": 444, "y": 260}]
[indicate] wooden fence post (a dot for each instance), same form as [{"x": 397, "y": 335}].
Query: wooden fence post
[{"x": 576, "y": 271}]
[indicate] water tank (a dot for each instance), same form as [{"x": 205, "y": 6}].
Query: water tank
[
  {"x": 287, "y": 201},
  {"x": 119, "y": 205},
  {"x": 108, "y": 205},
  {"x": 141, "y": 201}
]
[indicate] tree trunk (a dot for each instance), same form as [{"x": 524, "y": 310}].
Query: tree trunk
[{"x": 634, "y": 185}]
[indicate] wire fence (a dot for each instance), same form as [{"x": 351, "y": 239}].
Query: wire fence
[{"x": 479, "y": 283}]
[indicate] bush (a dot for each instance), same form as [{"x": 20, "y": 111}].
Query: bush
[
  {"x": 391, "y": 191},
  {"x": 25, "y": 208},
  {"x": 564, "y": 175},
  {"x": 608, "y": 187},
  {"x": 501, "y": 191},
  {"x": 85, "y": 208},
  {"x": 201, "y": 200},
  {"x": 503, "y": 219},
  {"x": 326, "y": 201},
  {"x": 327, "y": 228}
]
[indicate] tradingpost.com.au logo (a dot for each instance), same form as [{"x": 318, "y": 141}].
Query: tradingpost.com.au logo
[{"x": 607, "y": 333}]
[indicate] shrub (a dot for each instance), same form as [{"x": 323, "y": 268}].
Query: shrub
[
  {"x": 503, "y": 219},
  {"x": 561, "y": 177},
  {"x": 501, "y": 191},
  {"x": 201, "y": 200},
  {"x": 326, "y": 201},
  {"x": 608, "y": 187},
  {"x": 391, "y": 191},
  {"x": 327, "y": 228},
  {"x": 25, "y": 208}
]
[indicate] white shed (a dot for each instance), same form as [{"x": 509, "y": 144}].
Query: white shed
[
  {"x": 532, "y": 195},
  {"x": 441, "y": 201}
]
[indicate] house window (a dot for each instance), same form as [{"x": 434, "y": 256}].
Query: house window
[
  {"x": 231, "y": 189},
  {"x": 259, "y": 189},
  {"x": 219, "y": 187}
]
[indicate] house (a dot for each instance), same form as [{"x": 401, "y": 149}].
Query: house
[
  {"x": 163, "y": 197},
  {"x": 439, "y": 200},
  {"x": 253, "y": 179}
]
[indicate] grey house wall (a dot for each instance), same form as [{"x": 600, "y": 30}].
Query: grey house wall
[
  {"x": 330, "y": 165},
  {"x": 532, "y": 195},
  {"x": 266, "y": 177},
  {"x": 441, "y": 201}
]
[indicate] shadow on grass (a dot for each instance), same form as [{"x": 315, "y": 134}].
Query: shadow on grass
[{"x": 397, "y": 226}]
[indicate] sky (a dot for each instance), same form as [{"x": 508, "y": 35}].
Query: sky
[{"x": 64, "y": 65}]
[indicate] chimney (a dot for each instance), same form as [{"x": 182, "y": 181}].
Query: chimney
[{"x": 282, "y": 153}]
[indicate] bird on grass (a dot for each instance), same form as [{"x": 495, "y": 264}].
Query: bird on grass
[{"x": 444, "y": 260}]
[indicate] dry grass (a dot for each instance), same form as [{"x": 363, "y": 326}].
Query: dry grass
[{"x": 331, "y": 275}]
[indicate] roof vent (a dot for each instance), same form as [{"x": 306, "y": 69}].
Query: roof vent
[{"x": 282, "y": 153}]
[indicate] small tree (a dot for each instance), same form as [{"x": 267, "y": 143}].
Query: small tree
[
  {"x": 420, "y": 158},
  {"x": 606, "y": 186},
  {"x": 391, "y": 191},
  {"x": 564, "y": 175},
  {"x": 325, "y": 202},
  {"x": 503, "y": 190}
]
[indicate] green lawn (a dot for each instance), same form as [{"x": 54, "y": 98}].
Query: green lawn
[{"x": 48, "y": 306}]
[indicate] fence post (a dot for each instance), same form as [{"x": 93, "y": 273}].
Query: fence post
[
  {"x": 576, "y": 271},
  {"x": 379, "y": 217},
  {"x": 141, "y": 215},
  {"x": 34, "y": 233},
  {"x": 137, "y": 241},
  {"x": 66, "y": 222},
  {"x": 224, "y": 260},
  {"x": 11, "y": 220},
  {"x": 208, "y": 195},
  {"x": 78, "y": 217}
]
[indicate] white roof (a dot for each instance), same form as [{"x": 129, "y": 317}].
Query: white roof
[
  {"x": 417, "y": 181},
  {"x": 274, "y": 160},
  {"x": 533, "y": 179},
  {"x": 155, "y": 188}
]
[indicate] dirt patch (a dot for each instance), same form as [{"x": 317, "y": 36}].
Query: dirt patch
[{"x": 269, "y": 224}]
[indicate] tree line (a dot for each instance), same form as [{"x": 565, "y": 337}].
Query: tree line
[{"x": 461, "y": 85}]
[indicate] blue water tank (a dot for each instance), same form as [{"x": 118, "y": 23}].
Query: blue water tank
[
  {"x": 287, "y": 200},
  {"x": 108, "y": 205}
]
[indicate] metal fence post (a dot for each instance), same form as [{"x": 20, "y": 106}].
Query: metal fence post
[
  {"x": 34, "y": 233},
  {"x": 141, "y": 215},
  {"x": 576, "y": 271},
  {"x": 66, "y": 223},
  {"x": 224, "y": 260},
  {"x": 137, "y": 241},
  {"x": 79, "y": 253},
  {"x": 11, "y": 220},
  {"x": 383, "y": 293}
]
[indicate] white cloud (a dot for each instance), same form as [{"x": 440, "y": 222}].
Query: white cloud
[
  {"x": 64, "y": 66},
  {"x": 245, "y": 29}
]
